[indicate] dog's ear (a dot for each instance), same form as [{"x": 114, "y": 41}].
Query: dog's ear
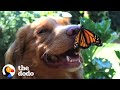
[
  {"x": 15, "y": 52},
  {"x": 63, "y": 20}
]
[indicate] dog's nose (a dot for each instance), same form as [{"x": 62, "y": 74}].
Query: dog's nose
[{"x": 72, "y": 30}]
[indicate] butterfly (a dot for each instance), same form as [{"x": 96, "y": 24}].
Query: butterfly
[{"x": 86, "y": 38}]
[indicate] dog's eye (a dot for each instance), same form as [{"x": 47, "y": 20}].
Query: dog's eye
[{"x": 43, "y": 31}]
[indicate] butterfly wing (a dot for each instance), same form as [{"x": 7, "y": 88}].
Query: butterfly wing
[
  {"x": 85, "y": 38},
  {"x": 89, "y": 36},
  {"x": 80, "y": 40}
]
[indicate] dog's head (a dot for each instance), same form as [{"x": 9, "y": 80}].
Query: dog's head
[{"x": 49, "y": 41}]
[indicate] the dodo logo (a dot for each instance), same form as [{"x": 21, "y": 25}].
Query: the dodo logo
[{"x": 8, "y": 70}]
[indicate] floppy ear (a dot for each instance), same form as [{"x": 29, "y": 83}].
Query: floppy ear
[
  {"x": 15, "y": 52},
  {"x": 63, "y": 20}
]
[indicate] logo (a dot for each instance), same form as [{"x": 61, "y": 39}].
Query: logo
[
  {"x": 24, "y": 71},
  {"x": 8, "y": 70}
]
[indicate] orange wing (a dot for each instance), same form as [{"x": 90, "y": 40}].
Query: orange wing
[{"x": 85, "y": 38}]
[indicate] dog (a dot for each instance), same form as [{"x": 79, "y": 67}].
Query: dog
[{"x": 46, "y": 46}]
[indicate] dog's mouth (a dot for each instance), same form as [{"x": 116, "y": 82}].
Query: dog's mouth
[{"x": 69, "y": 59}]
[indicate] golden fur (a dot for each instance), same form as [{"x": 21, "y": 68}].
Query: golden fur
[{"x": 29, "y": 46}]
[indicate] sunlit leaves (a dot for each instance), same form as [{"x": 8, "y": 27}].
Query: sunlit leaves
[
  {"x": 101, "y": 63},
  {"x": 98, "y": 68},
  {"x": 87, "y": 23},
  {"x": 118, "y": 54},
  {"x": 101, "y": 29}
]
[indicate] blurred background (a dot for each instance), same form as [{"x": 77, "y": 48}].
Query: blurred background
[{"x": 99, "y": 62}]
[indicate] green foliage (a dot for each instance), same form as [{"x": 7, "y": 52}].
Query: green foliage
[
  {"x": 118, "y": 54},
  {"x": 101, "y": 70},
  {"x": 102, "y": 29},
  {"x": 98, "y": 68},
  {"x": 95, "y": 68}
]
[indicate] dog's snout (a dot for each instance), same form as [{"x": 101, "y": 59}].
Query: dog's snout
[{"x": 72, "y": 30}]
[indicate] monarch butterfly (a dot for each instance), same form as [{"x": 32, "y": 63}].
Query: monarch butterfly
[{"x": 85, "y": 38}]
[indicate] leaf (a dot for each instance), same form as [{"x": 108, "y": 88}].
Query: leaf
[
  {"x": 100, "y": 64},
  {"x": 117, "y": 54},
  {"x": 87, "y": 23},
  {"x": 107, "y": 24}
]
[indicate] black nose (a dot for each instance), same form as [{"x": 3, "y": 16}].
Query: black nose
[{"x": 72, "y": 30}]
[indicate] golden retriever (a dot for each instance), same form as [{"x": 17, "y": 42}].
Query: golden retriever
[{"x": 46, "y": 46}]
